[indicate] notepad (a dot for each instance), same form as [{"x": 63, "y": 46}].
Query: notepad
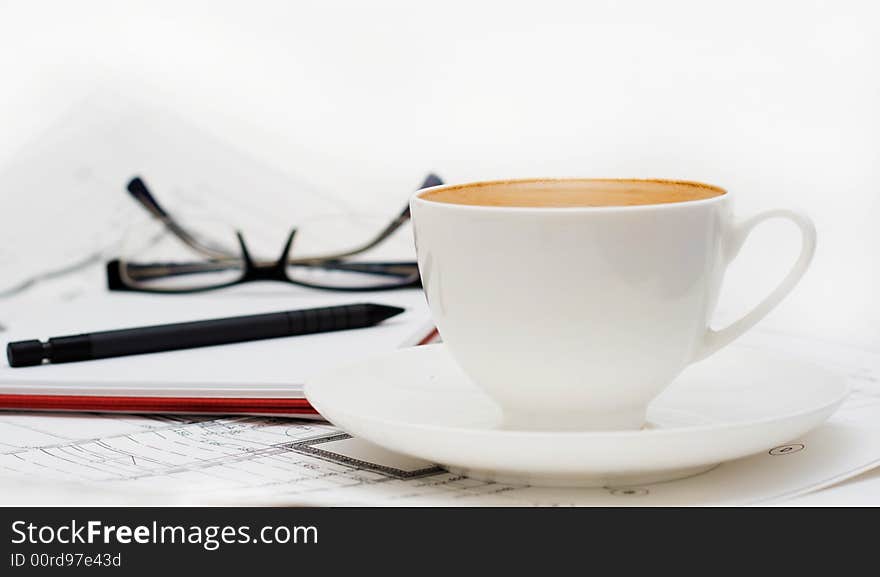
[{"x": 255, "y": 378}]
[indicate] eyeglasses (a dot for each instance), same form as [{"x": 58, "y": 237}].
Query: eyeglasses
[{"x": 170, "y": 254}]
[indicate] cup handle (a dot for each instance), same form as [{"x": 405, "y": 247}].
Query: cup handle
[{"x": 715, "y": 340}]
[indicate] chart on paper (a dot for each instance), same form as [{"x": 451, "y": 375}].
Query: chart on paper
[
  {"x": 252, "y": 460},
  {"x": 218, "y": 459}
]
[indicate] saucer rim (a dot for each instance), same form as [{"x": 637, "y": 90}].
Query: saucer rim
[{"x": 831, "y": 407}]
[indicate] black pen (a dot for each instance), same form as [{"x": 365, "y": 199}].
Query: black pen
[{"x": 194, "y": 334}]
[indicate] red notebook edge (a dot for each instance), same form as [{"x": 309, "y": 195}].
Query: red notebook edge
[{"x": 263, "y": 406}]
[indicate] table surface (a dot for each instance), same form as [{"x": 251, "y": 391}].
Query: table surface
[
  {"x": 96, "y": 212},
  {"x": 861, "y": 490}
]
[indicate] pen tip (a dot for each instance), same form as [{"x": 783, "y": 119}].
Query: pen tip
[{"x": 379, "y": 313}]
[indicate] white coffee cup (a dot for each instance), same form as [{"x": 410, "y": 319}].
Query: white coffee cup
[{"x": 574, "y": 302}]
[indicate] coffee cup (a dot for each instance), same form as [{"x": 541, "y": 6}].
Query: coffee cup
[{"x": 574, "y": 302}]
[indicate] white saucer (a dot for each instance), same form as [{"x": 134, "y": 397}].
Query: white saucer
[{"x": 736, "y": 403}]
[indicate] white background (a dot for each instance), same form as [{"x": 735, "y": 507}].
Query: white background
[{"x": 777, "y": 101}]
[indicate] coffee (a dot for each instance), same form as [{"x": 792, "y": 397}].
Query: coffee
[
  {"x": 575, "y": 318},
  {"x": 551, "y": 193}
]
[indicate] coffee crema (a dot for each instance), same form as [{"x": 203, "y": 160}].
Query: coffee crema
[{"x": 567, "y": 193}]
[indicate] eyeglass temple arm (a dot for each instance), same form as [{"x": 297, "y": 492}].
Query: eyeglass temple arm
[
  {"x": 430, "y": 180},
  {"x": 139, "y": 191},
  {"x": 280, "y": 265}
]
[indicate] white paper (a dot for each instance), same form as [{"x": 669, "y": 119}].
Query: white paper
[
  {"x": 254, "y": 368},
  {"x": 279, "y": 461},
  {"x": 63, "y": 196}
]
